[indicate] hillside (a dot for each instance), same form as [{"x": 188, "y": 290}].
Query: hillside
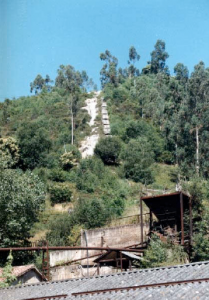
[{"x": 158, "y": 142}]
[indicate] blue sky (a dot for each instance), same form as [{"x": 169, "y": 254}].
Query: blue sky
[{"x": 36, "y": 36}]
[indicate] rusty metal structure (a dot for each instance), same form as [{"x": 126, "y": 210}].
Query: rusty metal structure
[
  {"x": 167, "y": 216},
  {"x": 43, "y": 246}
]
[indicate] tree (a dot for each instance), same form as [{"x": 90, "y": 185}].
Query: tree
[
  {"x": 142, "y": 129},
  {"x": 60, "y": 228},
  {"x": 34, "y": 142},
  {"x": 182, "y": 72},
  {"x": 72, "y": 81},
  {"x": 109, "y": 70},
  {"x": 158, "y": 58},
  {"x": 60, "y": 192},
  {"x": 133, "y": 58},
  {"x": 9, "y": 152},
  {"x": 21, "y": 198},
  {"x": 198, "y": 105},
  {"x": 91, "y": 213},
  {"x": 108, "y": 149},
  {"x": 39, "y": 83},
  {"x": 138, "y": 158},
  {"x": 71, "y": 158}
]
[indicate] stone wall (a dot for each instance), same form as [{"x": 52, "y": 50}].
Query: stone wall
[
  {"x": 77, "y": 271},
  {"x": 57, "y": 257},
  {"x": 120, "y": 236}
]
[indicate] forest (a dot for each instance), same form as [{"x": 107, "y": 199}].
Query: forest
[{"x": 159, "y": 139}]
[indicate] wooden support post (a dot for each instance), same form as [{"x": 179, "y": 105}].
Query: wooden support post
[
  {"x": 98, "y": 268},
  {"x": 141, "y": 211},
  {"x": 190, "y": 222},
  {"x": 121, "y": 262},
  {"x": 182, "y": 218},
  {"x": 150, "y": 220},
  {"x": 116, "y": 265},
  {"x": 130, "y": 265}
]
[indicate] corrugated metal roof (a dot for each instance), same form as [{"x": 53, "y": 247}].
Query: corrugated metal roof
[
  {"x": 132, "y": 255},
  {"x": 125, "y": 279},
  {"x": 190, "y": 291}
]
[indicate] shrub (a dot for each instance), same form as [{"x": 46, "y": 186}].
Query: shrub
[
  {"x": 70, "y": 159},
  {"x": 88, "y": 174},
  {"x": 138, "y": 158},
  {"x": 60, "y": 192},
  {"x": 57, "y": 175},
  {"x": 9, "y": 152},
  {"x": 108, "y": 149},
  {"x": 59, "y": 230},
  {"x": 166, "y": 157},
  {"x": 91, "y": 213},
  {"x": 34, "y": 143}
]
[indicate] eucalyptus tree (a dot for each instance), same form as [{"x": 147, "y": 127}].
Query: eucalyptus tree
[
  {"x": 72, "y": 82},
  {"x": 133, "y": 58},
  {"x": 158, "y": 58},
  {"x": 198, "y": 104},
  {"x": 39, "y": 83},
  {"x": 109, "y": 72},
  {"x": 182, "y": 73}
]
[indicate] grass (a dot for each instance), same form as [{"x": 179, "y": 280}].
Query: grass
[{"x": 162, "y": 177}]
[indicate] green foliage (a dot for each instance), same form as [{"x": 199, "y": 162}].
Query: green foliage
[
  {"x": 133, "y": 57},
  {"x": 34, "y": 143},
  {"x": 40, "y": 83},
  {"x": 21, "y": 198},
  {"x": 142, "y": 129},
  {"x": 155, "y": 254},
  {"x": 158, "y": 58},
  {"x": 59, "y": 230},
  {"x": 109, "y": 70},
  {"x": 70, "y": 159},
  {"x": 91, "y": 213},
  {"x": 200, "y": 249},
  {"x": 71, "y": 80},
  {"x": 138, "y": 158},
  {"x": 160, "y": 253},
  {"x": 7, "y": 273},
  {"x": 108, "y": 149},
  {"x": 195, "y": 187},
  {"x": 60, "y": 192},
  {"x": 57, "y": 175},
  {"x": 9, "y": 152}
]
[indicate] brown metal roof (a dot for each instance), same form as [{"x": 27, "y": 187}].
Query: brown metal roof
[
  {"x": 166, "y": 207},
  {"x": 165, "y": 195}
]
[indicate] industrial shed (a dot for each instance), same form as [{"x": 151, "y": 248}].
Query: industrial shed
[{"x": 168, "y": 215}]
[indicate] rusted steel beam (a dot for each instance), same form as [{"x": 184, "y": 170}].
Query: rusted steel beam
[
  {"x": 48, "y": 297},
  {"x": 142, "y": 286},
  {"x": 52, "y": 248}
]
